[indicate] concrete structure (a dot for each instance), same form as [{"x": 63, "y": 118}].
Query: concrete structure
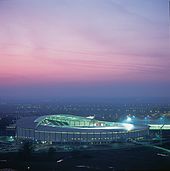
[{"x": 76, "y": 129}]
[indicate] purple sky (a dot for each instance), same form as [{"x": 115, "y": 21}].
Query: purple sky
[{"x": 94, "y": 48}]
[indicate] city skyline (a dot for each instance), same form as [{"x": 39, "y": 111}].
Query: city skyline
[{"x": 105, "y": 48}]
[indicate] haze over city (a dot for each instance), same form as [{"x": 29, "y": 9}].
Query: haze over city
[{"x": 84, "y": 48}]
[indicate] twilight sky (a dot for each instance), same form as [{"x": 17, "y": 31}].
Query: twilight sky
[{"x": 93, "y": 48}]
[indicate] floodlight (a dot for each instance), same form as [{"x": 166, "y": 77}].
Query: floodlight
[
  {"x": 129, "y": 119},
  {"x": 128, "y": 127}
]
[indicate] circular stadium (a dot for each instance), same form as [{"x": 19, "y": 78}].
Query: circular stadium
[{"x": 71, "y": 129}]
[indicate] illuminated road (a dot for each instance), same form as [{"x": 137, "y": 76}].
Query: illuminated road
[
  {"x": 160, "y": 148},
  {"x": 152, "y": 146}
]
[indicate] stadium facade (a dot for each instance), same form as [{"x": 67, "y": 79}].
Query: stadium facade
[{"x": 76, "y": 129}]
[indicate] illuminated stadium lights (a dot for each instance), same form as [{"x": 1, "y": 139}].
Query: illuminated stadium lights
[
  {"x": 63, "y": 128},
  {"x": 162, "y": 120},
  {"x": 129, "y": 119},
  {"x": 128, "y": 127}
]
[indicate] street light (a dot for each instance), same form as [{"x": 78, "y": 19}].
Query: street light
[
  {"x": 161, "y": 122},
  {"x": 133, "y": 116},
  {"x": 145, "y": 120},
  {"x": 161, "y": 119}
]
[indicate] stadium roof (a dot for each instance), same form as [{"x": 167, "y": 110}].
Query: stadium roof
[{"x": 69, "y": 122}]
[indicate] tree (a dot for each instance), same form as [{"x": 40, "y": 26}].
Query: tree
[
  {"x": 26, "y": 150},
  {"x": 51, "y": 153}
]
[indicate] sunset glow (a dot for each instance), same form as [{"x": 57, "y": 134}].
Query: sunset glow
[{"x": 65, "y": 47}]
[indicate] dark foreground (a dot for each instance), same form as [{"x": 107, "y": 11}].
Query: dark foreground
[{"x": 132, "y": 158}]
